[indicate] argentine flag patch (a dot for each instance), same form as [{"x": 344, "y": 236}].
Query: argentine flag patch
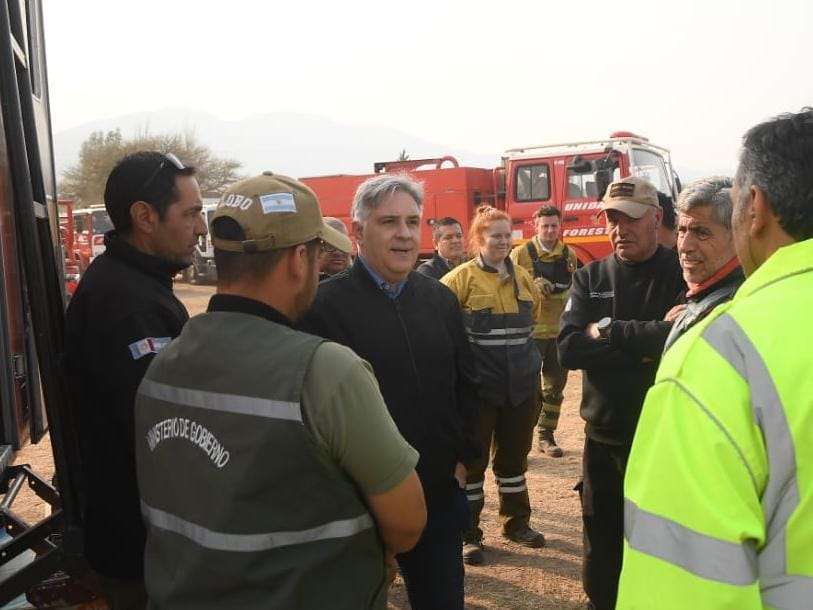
[
  {"x": 148, "y": 345},
  {"x": 278, "y": 202}
]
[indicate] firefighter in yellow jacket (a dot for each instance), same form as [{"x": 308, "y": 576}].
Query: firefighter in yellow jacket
[
  {"x": 719, "y": 486},
  {"x": 551, "y": 263},
  {"x": 500, "y": 308}
]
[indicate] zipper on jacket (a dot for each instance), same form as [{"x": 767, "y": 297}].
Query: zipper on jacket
[{"x": 409, "y": 344}]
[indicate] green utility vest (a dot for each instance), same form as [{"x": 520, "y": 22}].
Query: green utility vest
[
  {"x": 719, "y": 486},
  {"x": 243, "y": 509}
]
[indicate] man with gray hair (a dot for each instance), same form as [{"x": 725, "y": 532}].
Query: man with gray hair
[
  {"x": 410, "y": 328},
  {"x": 705, "y": 245}
]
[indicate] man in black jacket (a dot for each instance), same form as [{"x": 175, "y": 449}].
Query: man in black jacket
[
  {"x": 447, "y": 237},
  {"x": 124, "y": 312},
  {"x": 410, "y": 328},
  {"x": 613, "y": 328},
  {"x": 705, "y": 245}
]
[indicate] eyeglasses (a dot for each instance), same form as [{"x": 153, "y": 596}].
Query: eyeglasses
[{"x": 169, "y": 159}]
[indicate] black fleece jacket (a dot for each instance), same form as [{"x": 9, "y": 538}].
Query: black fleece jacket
[
  {"x": 122, "y": 313},
  {"x": 619, "y": 371},
  {"x": 421, "y": 357}
]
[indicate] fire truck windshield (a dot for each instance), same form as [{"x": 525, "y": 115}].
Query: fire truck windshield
[{"x": 650, "y": 166}]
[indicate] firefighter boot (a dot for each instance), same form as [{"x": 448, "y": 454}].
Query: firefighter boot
[
  {"x": 473, "y": 553},
  {"x": 547, "y": 444},
  {"x": 515, "y": 511},
  {"x": 527, "y": 536}
]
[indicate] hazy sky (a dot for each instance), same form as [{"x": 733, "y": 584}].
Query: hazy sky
[{"x": 479, "y": 76}]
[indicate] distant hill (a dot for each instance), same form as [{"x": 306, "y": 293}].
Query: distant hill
[{"x": 288, "y": 143}]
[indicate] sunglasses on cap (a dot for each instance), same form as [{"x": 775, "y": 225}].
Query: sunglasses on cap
[{"x": 169, "y": 159}]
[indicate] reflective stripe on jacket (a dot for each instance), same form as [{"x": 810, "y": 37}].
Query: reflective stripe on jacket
[
  {"x": 243, "y": 508},
  {"x": 499, "y": 314},
  {"x": 719, "y": 486},
  {"x": 551, "y": 307}
]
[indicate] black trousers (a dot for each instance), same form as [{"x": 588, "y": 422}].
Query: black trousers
[
  {"x": 433, "y": 571},
  {"x": 602, "y": 498}
]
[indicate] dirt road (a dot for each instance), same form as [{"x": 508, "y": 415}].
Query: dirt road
[{"x": 514, "y": 578}]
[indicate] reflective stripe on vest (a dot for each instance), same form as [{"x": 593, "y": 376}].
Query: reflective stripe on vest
[
  {"x": 510, "y": 336},
  {"x": 226, "y": 403},
  {"x": 781, "y": 496},
  {"x": 707, "y": 557},
  {"x": 251, "y": 543}
]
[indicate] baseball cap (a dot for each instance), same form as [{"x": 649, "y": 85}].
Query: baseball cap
[
  {"x": 274, "y": 212},
  {"x": 632, "y": 196}
]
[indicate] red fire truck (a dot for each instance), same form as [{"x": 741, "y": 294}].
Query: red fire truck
[
  {"x": 571, "y": 176},
  {"x": 89, "y": 226},
  {"x": 67, "y": 238}
]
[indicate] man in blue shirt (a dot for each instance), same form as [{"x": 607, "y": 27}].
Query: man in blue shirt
[{"x": 410, "y": 328}]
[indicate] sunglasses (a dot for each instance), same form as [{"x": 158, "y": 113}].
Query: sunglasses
[{"x": 169, "y": 159}]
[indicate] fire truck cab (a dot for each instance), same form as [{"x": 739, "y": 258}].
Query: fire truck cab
[
  {"x": 573, "y": 177},
  {"x": 570, "y": 176}
]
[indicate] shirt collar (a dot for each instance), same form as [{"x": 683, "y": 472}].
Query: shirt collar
[
  {"x": 557, "y": 249},
  {"x": 120, "y": 248},
  {"x": 788, "y": 260},
  {"x": 237, "y": 304},
  {"x": 509, "y": 266},
  {"x": 393, "y": 291},
  {"x": 722, "y": 273}
]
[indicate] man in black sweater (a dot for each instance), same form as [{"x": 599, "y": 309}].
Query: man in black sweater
[
  {"x": 410, "y": 329},
  {"x": 447, "y": 237},
  {"x": 613, "y": 328},
  {"x": 122, "y": 314}
]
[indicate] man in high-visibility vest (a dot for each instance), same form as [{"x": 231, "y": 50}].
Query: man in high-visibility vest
[{"x": 719, "y": 486}]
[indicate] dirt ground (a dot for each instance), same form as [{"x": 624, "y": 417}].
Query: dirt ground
[{"x": 514, "y": 578}]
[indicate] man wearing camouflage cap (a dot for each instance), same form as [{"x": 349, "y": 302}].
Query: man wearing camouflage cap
[
  {"x": 613, "y": 328},
  {"x": 269, "y": 468}
]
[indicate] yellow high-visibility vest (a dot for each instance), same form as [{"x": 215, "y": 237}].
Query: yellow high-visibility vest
[{"x": 719, "y": 486}]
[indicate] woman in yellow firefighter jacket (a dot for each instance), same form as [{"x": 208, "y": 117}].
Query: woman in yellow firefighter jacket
[{"x": 500, "y": 305}]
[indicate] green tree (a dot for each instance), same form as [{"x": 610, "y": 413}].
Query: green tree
[
  {"x": 403, "y": 156},
  {"x": 86, "y": 180}
]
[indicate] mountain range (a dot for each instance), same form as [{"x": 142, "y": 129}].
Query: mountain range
[{"x": 284, "y": 142}]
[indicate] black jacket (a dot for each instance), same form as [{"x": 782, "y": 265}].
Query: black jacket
[
  {"x": 123, "y": 312},
  {"x": 619, "y": 370},
  {"x": 421, "y": 357},
  {"x": 436, "y": 267},
  {"x": 699, "y": 305}
]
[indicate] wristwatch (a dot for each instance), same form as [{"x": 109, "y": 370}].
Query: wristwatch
[{"x": 603, "y": 327}]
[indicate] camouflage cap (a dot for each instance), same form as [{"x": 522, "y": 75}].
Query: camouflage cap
[
  {"x": 274, "y": 212},
  {"x": 632, "y": 196}
]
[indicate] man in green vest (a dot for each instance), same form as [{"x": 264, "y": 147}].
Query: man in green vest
[
  {"x": 271, "y": 473},
  {"x": 719, "y": 486}
]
